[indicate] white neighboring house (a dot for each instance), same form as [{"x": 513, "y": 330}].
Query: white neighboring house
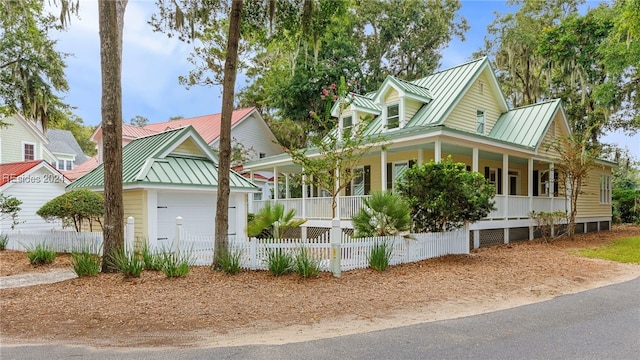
[{"x": 34, "y": 183}]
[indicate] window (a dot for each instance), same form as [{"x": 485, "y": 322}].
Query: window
[
  {"x": 69, "y": 165},
  {"x": 480, "y": 122},
  {"x": 60, "y": 165},
  {"x": 357, "y": 184},
  {"x": 393, "y": 116},
  {"x": 398, "y": 169},
  {"x": 29, "y": 152},
  {"x": 262, "y": 155},
  {"x": 347, "y": 122},
  {"x": 605, "y": 189}
]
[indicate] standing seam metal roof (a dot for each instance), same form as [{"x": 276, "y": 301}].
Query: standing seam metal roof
[{"x": 525, "y": 125}]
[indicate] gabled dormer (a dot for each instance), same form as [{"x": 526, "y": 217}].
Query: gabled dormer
[
  {"x": 351, "y": 110},
  {"x": 399, "y": 101}
]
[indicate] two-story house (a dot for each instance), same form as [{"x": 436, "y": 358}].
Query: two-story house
[{"x": 459, "y": 112}]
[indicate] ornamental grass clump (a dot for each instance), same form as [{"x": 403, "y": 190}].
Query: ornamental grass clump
[
  {"x": 176, "y": 264},
  {"x": 279, "y": 262},
  {"x": 306, "y": 265},
  {"x": 380, "y": 255},
  {"x": 4, "y": 240},
  {"x": 229, "y": 261},
  {"x": 85, "y": 264},
  {"x": 129, "y": 265},
  {"x": 41, "y": 254},
  {"x": 152, "y": 260}
]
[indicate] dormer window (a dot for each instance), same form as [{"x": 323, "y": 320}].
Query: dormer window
[
  {"x": 347, "y": 122},
  {"x": 480, "y": 122},
  {"x": 393, "y": 116}
]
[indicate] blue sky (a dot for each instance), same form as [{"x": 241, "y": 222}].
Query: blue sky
[{"x": 152, "y": 63}]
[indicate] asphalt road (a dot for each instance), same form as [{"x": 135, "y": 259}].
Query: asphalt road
[{"x": 603, "y": 323}]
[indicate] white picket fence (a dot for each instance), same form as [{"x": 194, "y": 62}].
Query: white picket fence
[
  {"x": 354, "y": 251},
  {"x": 58, "y": 240}
]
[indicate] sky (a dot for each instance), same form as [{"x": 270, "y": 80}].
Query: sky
[{"x": 152, "y": 62}]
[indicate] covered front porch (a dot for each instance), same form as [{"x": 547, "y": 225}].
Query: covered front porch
[{"x": 524, "y": 181}]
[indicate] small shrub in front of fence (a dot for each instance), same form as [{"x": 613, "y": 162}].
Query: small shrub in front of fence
[
  {"x": 129, "y": 265},
  {"x": 229, "y": 261},
  {"x": 306, "y": 265},
  {"x": 279, "y": 262},
  {"x": 380, "y": 255},
  {"x": 152, "y": 259},
  {"x": 85, "y": 263},
  {"x": 41, "y": 254},
  {"x": 4, "y": 239}
]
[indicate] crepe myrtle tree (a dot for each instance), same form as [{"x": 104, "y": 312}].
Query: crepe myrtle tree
[
  {"x": 74, "y": 207},
  {"x": 445, "y": 196}
]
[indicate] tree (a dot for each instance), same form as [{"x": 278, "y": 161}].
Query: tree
[
  {"x": 139, "y": 121},
  {"x": 177, "y": 117},
  {"x": 111, "y": 18},
  {"x": 444, "y": 196},
  {"x": 74, "y": 207},
  {"x": 328, "y": 163},
  {"x": 31, "y": 69},
  {"x": 576, "y": 157},
  {"x": 383, "y": 214},
  {"x": 272, "y": 220},
  {"x": 9, "y": 209}
]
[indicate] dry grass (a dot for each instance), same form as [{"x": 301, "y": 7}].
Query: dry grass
[{"x": 154, "y": 310}]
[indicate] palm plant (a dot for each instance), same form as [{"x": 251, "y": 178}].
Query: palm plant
[
  {"x": 273, "y": 219},
  {"x": 384, "y": 213}
]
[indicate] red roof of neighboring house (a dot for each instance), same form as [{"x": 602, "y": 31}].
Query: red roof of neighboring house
[
  {"x": 82, "y": 169},
  {"x": 135, "y": 132},
  {"x": 10, "y": 171},
  {"x": 208, "y": 126}
]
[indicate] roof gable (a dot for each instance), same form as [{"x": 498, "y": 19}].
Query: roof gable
[
  {"x": 11, "y": 171},
  {"x": 63, "y": 142},
  {"x": 176, "y": 157},
  {"x": 527, "y": 125}
]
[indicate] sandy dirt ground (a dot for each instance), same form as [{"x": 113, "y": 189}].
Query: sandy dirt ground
[{"x": 209, "y": 308}]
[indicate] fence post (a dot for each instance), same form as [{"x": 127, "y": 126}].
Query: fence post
[
  {"x": 176, "y": 240},
  {"x": 336, "y": 256},
  {"x": 128, "y": 236},
  {"x": 253, "y": 253}
]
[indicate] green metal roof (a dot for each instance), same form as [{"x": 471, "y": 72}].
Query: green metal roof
[
  {"x": 150, "y": 160},
  {"x": 415, "y": 89},
  {"x": 365, "y": 103},
  {"x": 526, "y": 125},
  {"x": 447, "y": 87}
]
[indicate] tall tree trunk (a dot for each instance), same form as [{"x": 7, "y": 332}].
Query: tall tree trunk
[
  {"x": 224, "y": 165},
  {"x": 111, "y": 15}
]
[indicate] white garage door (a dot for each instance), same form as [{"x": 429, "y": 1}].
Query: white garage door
[{"x": 198, "y": 211}]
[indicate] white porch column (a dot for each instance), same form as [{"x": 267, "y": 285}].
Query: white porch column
[
  {"x": 551, "y": 184},
  {"x": 251, "y": 195},
  {"x": 474, "y": 160},
  {"x": 304, "y": 199},
  {"x": 505, "y": 183},
  {"x": 335, "y": 189},
  {"x": 530, "y": 191},
  {"x": 275, "y": 183},
  {"x": 287, "y": 192},
  {"x": 383, "y": 169},
  {"x": 420, "y": 157},
  {"x": 437, "y": 151}
]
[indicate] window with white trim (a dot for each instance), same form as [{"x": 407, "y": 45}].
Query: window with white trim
[
  {"x": 605, "y": 189},
  {"x": 480, "y": 122},
  {"x": 28, "y": 151},
  {"x": 64, "y": 164},
  {"x": 393, "y": 116},
  {"x": 347, "y": 124}
]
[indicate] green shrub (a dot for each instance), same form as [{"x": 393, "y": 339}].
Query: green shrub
[
  {"x": 626, "y": 205},
  {"x": 383, "y": 214},
  {"x": 152, "y": 260},
  {"x": 41, "y": 254},
  {"x": 380, "y": 255},
  {"x": 128, "y": 265},
  {"x": 74, "y": 206},
  {"x": 229, "y": 261},
  {"x": 175, "y": 264},
  {"x": 85, "y": 263},
  {"x": 4, "y": 240},
  {"x": 279, "y": 262},
  {"x": 306, "y": 265}
]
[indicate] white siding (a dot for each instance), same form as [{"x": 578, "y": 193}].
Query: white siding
[
  {"x": 253, "y": 132},
  {"x": 34, "y": 189}
]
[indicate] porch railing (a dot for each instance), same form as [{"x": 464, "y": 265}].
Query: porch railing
[{"x": 517, "y": 207}]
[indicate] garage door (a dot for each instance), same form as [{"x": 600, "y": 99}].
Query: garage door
[{"x": 198, "y": 212}]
